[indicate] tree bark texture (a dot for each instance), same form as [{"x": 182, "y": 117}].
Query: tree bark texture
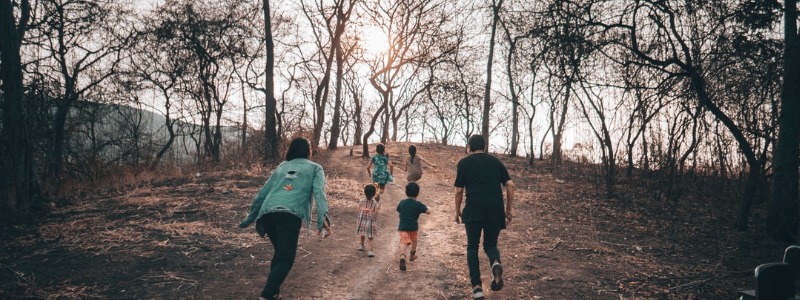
[
  {"x": 782, "y": 215},
  {"x": 270, "y": 132}
]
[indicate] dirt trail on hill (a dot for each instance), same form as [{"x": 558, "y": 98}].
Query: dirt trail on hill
[{"x": 332, "y": 268}]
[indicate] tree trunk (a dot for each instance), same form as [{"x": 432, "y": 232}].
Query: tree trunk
[
  {"x": 56, "y": 156},
  {"x": 365, "y": 140},
  {"x": 333, "y": 143},
  {"x": 26, "y": 192},
  {"x": 746, "y": 201},
  {"x": 358, "y": 120},
  {"x": 243, "y": 147},
  {"x": 270, "y": 132},
  {"x": 558, "y": 127},
  {"x": 388, "y": 96},
  {"x": 782, "y": 217},
  {"x": 166, "y": 146},
  {"x": 487, "y": 90},
  {"x": 514, "y": 97}
]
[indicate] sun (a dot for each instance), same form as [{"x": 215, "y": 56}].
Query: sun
[{"x": 375, "y": 40}]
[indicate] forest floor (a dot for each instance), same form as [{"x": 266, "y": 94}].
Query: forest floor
[{"x": 178, "y": 239}]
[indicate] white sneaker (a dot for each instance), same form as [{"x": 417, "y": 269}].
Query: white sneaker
[
  {"x": 477, "y": 293},
  {"x": 361, "y": 247},
  {"x": 371, "y": 254}
]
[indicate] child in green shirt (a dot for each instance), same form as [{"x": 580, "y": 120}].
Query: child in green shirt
[{"x": 409, "y": 210}]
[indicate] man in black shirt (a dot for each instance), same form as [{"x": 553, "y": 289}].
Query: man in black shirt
[{"x": 482, "y": 176}]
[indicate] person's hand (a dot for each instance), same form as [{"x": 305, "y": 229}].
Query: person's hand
[
  {"x": 245, "y": 223},
  {"x": 508, "y": 217},
  {"x": 458, "y": 218},
  {"x": 326, "y": 228}
]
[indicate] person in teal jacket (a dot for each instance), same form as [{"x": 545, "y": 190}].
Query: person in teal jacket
[{"x": 283, "y": 204}]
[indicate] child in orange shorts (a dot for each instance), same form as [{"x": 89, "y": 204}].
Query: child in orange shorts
[{"x": 409, "y": 210}]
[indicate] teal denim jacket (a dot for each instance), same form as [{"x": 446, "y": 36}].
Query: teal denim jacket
[{"x": 290, "y": 188}]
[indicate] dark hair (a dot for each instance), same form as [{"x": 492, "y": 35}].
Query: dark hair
[
  {"x": 380, "y": 148},
  {"x": 476, "y": 142},
  {"x": 413, "y": 151},
  {"x": 298, "y": 148},
  {"x": 369, "y": 191},
  {"x": 412, "y": 189}
]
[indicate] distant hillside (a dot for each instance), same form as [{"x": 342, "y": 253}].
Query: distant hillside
[{"x": 114, "y": 130}]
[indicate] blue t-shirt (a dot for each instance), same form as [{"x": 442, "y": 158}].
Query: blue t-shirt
[{"x": 409, "y": 210}]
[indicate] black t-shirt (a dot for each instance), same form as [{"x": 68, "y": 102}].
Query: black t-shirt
[
  {"x": 409, "y": 210},
  {"x": 482, "y": 176}
]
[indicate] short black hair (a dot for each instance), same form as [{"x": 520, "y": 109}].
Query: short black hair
[
  {"x": 369, "y": 191},
  {"x": 298, "y": 148},
  {"x": 380, "y": 148},
  {"x": 412, "y": 189},
  {"x": 476, "y": 142}
]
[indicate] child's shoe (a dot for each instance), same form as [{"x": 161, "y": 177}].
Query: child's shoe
[
  {"x": 402, "y": 264},
  {"x": 371, "y": 254},
  {"x": 361, "y": 247},
  {"x": 413, "y": 256}
]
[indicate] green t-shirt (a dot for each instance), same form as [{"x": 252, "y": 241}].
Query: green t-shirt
[{"x": 409, "y": 210}]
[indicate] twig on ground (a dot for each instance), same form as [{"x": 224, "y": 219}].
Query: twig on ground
[
  {"x": 558, "y": 242},
  {"x": 304, "y": 250},
  {"x": 19, "y": 275},
  {"x": 691, "y": 283},
  {"x": 616, "y": 244}
]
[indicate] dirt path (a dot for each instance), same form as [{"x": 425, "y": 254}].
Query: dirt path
[{"x": 333, "y": 269}]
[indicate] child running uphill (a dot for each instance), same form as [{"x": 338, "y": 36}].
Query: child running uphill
[
  {"x": 409, "y": 210},
  {"x": 413, "y": 165},
  {"x": 367, "y": 216},
  {"x": 382, "y": 174}
]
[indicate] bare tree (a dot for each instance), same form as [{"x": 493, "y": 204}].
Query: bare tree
[
  {"x": 83, "y": 42},
  {"x": 206, "y": 35},
  {"x": 321, "y": 19},
  {"x": 782, "y": 218},
  {"x": 159, "y": 66},
  {"x": 487, "y": 100},
  {"x": 270, "y": 122},
  {"x": 343, "y": 11},
  {"x": 19, "y": 157},
  {"x": 680, "y": 54},
  {"x": 413, "y": 27}
]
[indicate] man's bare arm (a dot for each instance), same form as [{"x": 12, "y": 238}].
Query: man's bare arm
[
  {"x": 459, "y": 196},
  {"x": 510, "y": 188}
]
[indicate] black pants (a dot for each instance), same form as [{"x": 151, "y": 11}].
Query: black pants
[
  {"x": 491, "y": 232},
  {"x": 283, "y": 230}
]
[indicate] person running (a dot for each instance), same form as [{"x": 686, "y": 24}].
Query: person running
[
  {"x": 367, "y": 219},
  {"x": 283, "y": 204},
  {"x": 413, "y": 165},
  {"x": 409, "y": 209},
  {"x": 482, "y": 176},
  {"x": 382, "y": 173}
]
